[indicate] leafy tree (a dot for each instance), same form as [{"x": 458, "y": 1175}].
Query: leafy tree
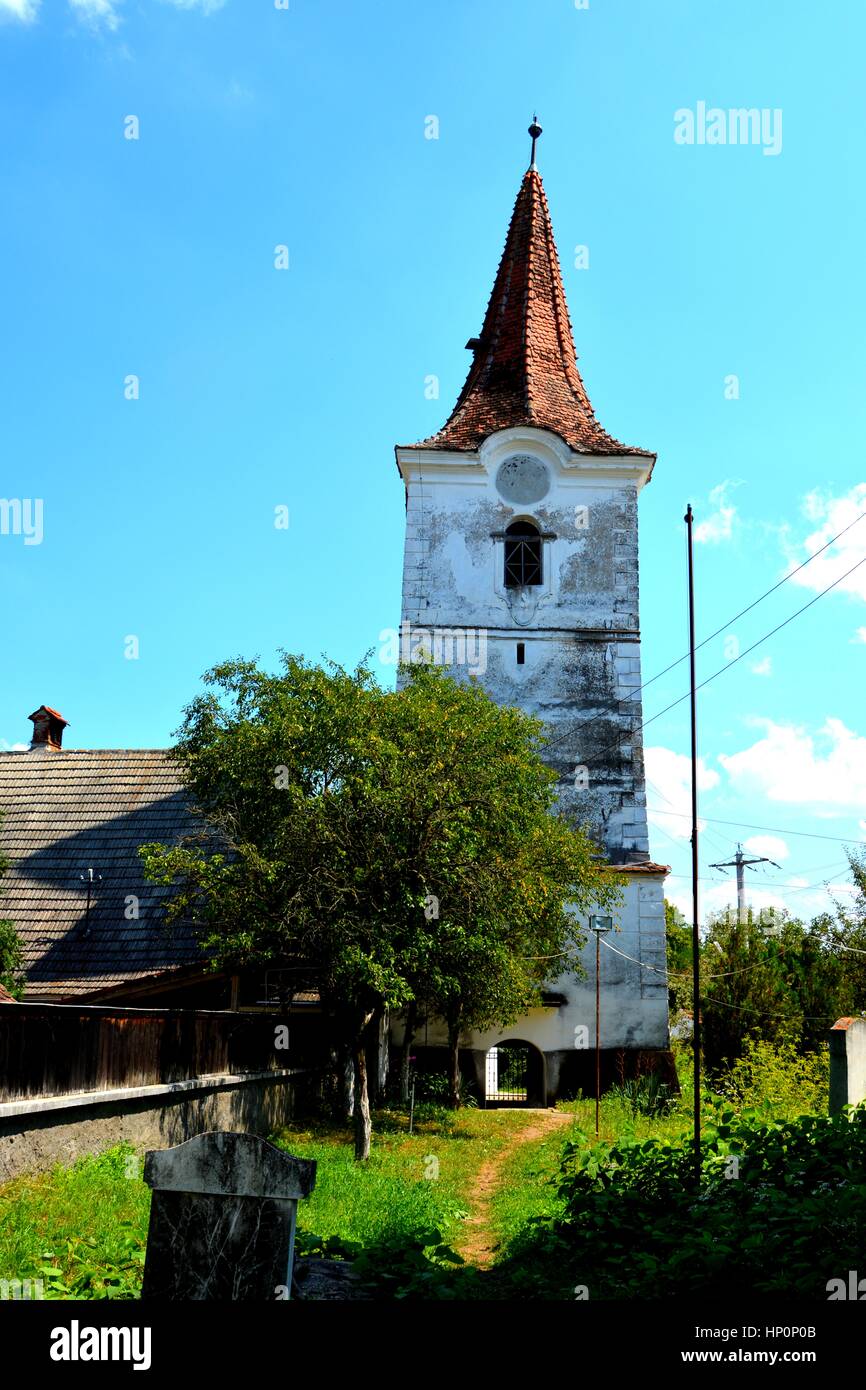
[
  {"x": 678, "y": 934},
  {"x": 747, "y": 984},
  {"x": 780, "y": 980},
  {"x": 400, "y": 843}
]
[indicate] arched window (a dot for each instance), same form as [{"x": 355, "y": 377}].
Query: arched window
[{"x": 522, "y": 555}]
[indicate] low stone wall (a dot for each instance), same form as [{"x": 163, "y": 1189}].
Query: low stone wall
[{"x": 37, "y": 1134}]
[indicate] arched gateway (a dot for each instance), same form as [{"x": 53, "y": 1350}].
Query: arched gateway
[{"x": 514, "y": 1075}]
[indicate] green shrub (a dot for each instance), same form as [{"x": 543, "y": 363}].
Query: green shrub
[
  {"x": 781, "y": 1210},
  {"x": 778, "y": 1077},
  {"x": 435, "y": 1086},
  {"x": 646, "y": 1095}
]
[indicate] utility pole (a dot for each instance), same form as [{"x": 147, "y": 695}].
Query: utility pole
[
  {"x": 741, "y": 863},
  {"x": 696, "y": 933},
  {"x": 599, "y": 925}
]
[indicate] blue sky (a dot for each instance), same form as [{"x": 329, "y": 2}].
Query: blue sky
[{"x": 258, "y": 388}]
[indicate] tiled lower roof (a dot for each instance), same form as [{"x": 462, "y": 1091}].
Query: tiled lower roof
[{"x": 67, "y": 811}]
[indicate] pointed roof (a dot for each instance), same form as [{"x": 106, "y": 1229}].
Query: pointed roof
[{"x": 524, "y": 369}]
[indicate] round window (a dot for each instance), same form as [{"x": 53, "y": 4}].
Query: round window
[{"x": 522, "y": 479}]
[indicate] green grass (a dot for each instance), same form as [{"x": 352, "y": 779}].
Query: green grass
[
  {"x": 81, "y": 1230},
  {"x": 411, "y": 1183}
]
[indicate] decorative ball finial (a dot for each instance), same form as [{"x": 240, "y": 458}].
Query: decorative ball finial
[{"x": 534, "y": 131}]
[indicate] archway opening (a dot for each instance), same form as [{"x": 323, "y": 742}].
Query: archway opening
[{"x": 514, "y": 1075}]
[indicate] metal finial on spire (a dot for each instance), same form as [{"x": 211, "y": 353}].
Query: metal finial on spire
[{"x": 535, "y": 131}]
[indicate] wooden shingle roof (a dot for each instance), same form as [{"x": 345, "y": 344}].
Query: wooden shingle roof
[{"x": 65, "y": 812}]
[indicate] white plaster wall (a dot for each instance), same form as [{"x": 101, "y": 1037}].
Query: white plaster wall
[
  {"x": 581, "y": 635},
  {"x": 634, "y": 1001}
]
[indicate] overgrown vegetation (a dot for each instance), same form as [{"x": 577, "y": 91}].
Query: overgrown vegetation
[
  {"x": 79, "y": 1232},
  {"x": 619, "y": 1216},
  {"x": 781, "y": 1212}
]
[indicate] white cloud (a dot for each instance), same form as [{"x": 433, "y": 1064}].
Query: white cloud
[
  {"x": 97, "y": 14},
  {"x": 790, "y": 764},
  {"x": 770, "y": 846},
  {"x": 832, "y": 514},
  {"x": 206, "y": 6},
  {"x": 669, "y": 778},
  {"x": 5, "y": 746},
  {"x": 25, "y": 10},
  {"x": 719, "y": 525},
  {"x": 859, "y": 635},
  {"x": 764, "y": 667}
]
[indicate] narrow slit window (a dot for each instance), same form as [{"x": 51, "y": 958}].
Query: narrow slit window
[
  {"x": 521, "y": 654},
  {"x": 522, "y": 555}
]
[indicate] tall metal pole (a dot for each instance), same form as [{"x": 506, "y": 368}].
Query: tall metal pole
[
  {"x": 696, "y": 939},
  {"x": 597, "y": 1027},
  {"x": 599, "y": 925}
]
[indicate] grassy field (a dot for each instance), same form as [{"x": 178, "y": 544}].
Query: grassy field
[
  {"x": 79, "y": 1230},
  {"x": 82, "y": 1229},
  {"x": 471, "y": 1181}
]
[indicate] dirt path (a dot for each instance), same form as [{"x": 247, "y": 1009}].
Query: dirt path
[{"x": 478, "y": 1246}]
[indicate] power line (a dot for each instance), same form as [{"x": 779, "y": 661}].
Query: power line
[
  {"x": 765, "y": 638},
  {"x": 635, "y": 695},
  {"x": 678, "y": 974},
  {"x": 772, "y": 829},
  {"x": 797, "y": 887},
  {"x": 631, "y": 733},
  {"x": 754, "y": 604}
]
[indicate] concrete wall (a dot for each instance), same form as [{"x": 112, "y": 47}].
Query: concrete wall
[
  {"x": 634, "y": 998},
  {"x": 35, "y": 1135},
  {"x": 847, "y": 1063}
]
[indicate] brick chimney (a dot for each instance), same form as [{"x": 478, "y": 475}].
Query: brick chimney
[{"x": 48, "y": 726}]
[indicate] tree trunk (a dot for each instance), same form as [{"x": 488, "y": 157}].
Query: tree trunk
[
  {"x": 406, "y": 1050},
  {"x": 347, "y": 1084},
  {"x": 363, "y": 1123},
  {"x": 454, "y": 1063},
  {"x": 383, "y": 1043}
]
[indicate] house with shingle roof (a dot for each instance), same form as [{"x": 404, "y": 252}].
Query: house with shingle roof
[{"x": 73, "y": 820}]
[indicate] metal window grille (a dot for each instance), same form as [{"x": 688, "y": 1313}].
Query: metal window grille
[{"x": 522, "y": 555}]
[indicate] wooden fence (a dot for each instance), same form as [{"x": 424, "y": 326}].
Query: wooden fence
[{"x": 63, "y": 1049}]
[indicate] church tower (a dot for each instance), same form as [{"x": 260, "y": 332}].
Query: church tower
[{"x": 521, "y": 566}]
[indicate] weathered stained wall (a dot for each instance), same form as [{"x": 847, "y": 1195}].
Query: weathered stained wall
[
  {"x": 581, "y": 673},
  {"x": 580, "y": 628}
]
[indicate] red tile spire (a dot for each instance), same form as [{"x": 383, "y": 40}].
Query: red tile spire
[{"x": 524, "y": 369}]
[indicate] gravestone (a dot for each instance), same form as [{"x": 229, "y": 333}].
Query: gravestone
[{"x": 222, "y": 1219}]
